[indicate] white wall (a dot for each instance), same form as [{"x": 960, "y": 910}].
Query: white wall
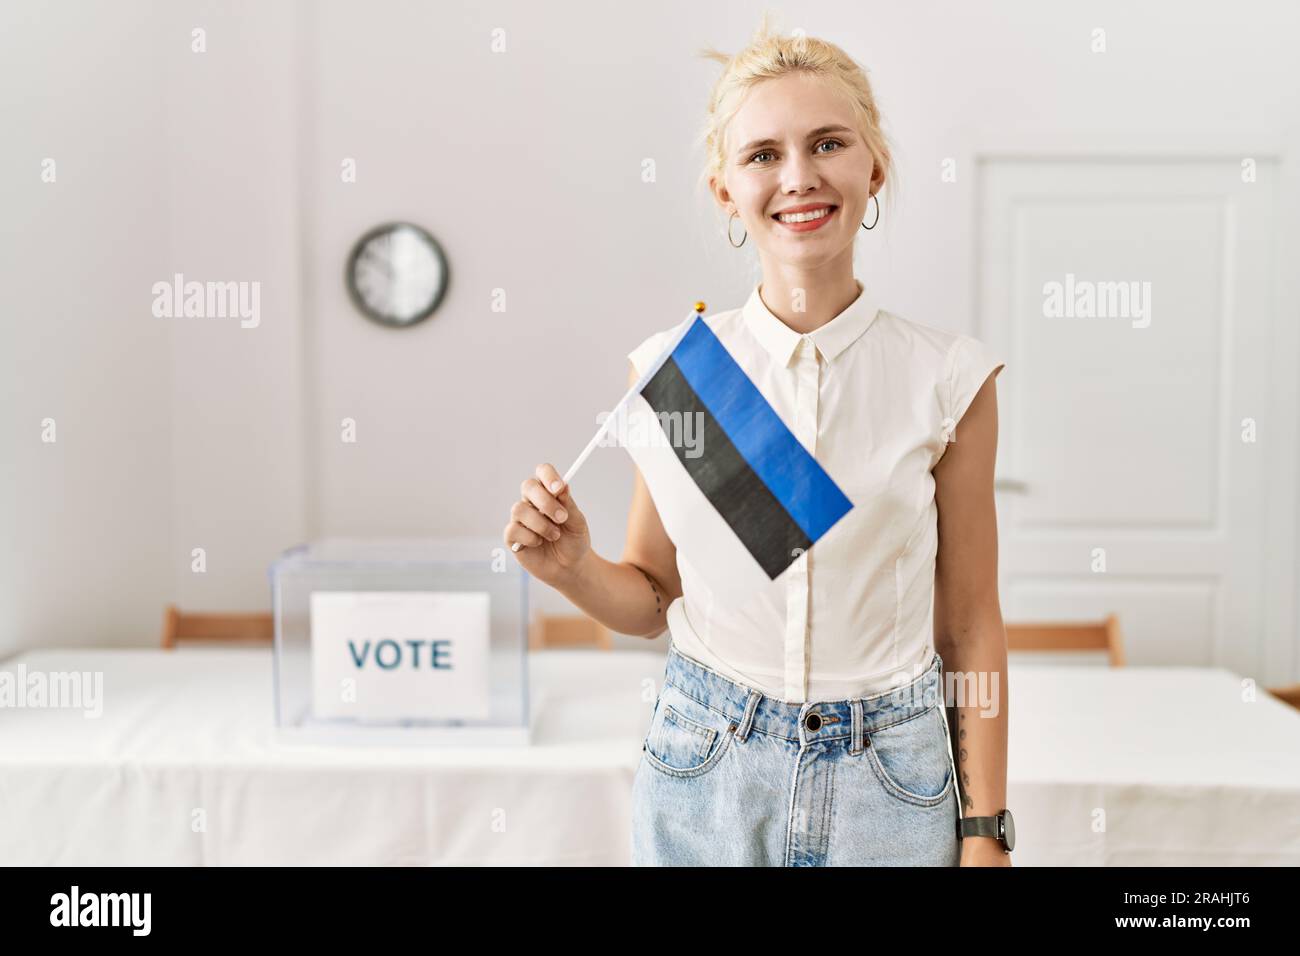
[
  {"x": 172, "y": 434},
  {"x": 526, "y": 166}
]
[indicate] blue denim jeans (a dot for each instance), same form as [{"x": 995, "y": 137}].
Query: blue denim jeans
[{"x": 731, "y": 777}]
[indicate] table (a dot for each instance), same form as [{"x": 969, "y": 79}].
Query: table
[
  {"x": 182, "y": 769},
  {"x": 1151, "y": 766},
  {"x": 1107, "y": 767}
]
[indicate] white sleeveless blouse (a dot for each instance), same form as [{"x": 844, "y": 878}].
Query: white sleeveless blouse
[{"x": 873, "y": 397}]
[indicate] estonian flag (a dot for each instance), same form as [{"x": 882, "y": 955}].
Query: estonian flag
[{"x": 738, "y": 493}]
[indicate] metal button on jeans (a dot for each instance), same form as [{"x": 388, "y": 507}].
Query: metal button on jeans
[{"x": 813, "y": 721}]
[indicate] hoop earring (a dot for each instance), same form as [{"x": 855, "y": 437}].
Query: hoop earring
[
  {"x": 734, "y": 244},
  {"x": 873, "y": 225}
]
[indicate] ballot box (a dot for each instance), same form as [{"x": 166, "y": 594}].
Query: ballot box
[{"x": 400, "y": 641}]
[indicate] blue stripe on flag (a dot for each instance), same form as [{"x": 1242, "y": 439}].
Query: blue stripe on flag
[{"x": 800, "y": 484}]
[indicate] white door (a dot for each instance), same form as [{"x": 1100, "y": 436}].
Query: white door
[{"x": 1132, "y": 300}]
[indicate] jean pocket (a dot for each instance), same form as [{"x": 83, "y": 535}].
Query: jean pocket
[
  {"x": 686, "y": 738},
  {"x": 911, "y": 758}
]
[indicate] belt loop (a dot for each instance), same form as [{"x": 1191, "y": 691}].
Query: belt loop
[
  {"x": 751, "y": 705},
  {"x": 855, "y": 736}
]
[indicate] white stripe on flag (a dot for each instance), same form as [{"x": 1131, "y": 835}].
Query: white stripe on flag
[{"x": 698, "y": 530}]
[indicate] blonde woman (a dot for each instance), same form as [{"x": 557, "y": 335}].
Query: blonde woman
[{"x": 806, "y": 726}]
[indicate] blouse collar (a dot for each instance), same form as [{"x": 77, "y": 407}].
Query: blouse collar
[{"x": 831, "y": 339}]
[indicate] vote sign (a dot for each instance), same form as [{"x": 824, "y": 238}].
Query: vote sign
[{"x": 400, "y": 655}]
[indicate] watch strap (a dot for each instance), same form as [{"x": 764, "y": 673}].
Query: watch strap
[{"x": 979, "y": 827}]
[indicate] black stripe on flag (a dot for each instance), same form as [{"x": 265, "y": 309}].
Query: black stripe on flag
[{"x": 757, "y": 517}]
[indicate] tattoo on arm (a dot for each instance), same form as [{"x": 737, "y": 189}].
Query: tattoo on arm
[{"x": 966, "y": 801}]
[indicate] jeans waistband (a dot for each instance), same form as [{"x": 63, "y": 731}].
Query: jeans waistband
[{"x": 751, "y": 709}]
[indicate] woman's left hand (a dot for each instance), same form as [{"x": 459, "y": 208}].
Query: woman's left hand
[{"x": 983, "y": 851}]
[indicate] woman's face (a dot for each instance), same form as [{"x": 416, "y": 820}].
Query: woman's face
[{"x": 794, "y": 143}]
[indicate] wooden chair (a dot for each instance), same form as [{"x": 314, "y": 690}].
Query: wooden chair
[
  {"x": 1288, "y": 695},
  {"x": 1075, "y": 636},
  {"x": 210, "y": 628},
  {"x": 548, "y": 632}
]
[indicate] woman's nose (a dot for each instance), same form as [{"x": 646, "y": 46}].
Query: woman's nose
[{"x": 798, "y": 175}]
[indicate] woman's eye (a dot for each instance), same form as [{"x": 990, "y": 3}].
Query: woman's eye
[{"x": 757, "y": 157}]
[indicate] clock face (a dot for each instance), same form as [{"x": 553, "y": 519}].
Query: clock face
[{"x": 397, "y": 274}]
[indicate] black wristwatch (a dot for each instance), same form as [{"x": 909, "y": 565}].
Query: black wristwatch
[{"x": 1002, "y": 827}]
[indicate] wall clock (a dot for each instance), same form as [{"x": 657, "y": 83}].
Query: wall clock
[{"x": 396, "y": 274}]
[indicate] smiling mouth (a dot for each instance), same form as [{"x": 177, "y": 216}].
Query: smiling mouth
[{"x": 806, "y": 219}]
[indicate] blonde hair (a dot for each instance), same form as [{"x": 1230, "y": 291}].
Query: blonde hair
[{"x": 770, "y": 55}]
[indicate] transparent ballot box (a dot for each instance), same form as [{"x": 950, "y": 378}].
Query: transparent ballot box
[{"x": 400, "y": 641}]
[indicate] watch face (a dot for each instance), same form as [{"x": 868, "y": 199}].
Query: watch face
[{"x": 1008, "y": 830}]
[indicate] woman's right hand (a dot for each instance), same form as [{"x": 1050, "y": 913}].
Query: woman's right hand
[{"x": 547, "y": 532}]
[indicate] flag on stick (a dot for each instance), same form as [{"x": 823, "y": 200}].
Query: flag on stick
[{"x": 738, "y": 493}]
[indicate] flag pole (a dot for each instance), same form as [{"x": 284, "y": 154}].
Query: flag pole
[{"x": 640, "y": 384}]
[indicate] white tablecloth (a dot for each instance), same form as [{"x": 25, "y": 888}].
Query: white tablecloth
[{"x": 1107, "y": 766}]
